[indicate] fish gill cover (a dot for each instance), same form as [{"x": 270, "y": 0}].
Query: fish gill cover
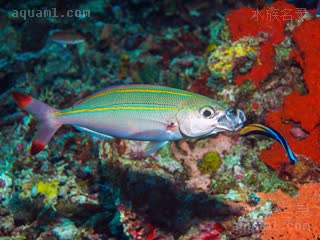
[{"x": 257, "y": 56}]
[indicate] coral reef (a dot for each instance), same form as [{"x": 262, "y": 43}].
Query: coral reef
[
  {"x": 259, "y": 56},
  {"x": 49, "y": 190},
  {"x": 210, "y": 163},
  {"x": 289, "y": 115},
  {"x": 248, "y": 22},
  {"x": 238, "y": 58},
  {"x": 284, "y": 30}
]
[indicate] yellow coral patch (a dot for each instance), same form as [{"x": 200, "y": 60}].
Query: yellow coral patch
[
  {"x": 49, "y": 190},
  {"x": 222, "y": 60},
  {"x": 211, "y": 47}
]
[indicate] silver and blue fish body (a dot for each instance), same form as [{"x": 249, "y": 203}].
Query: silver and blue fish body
[
  {"x": 150, "y": 113},
  {"x": 136, "y": 112}
]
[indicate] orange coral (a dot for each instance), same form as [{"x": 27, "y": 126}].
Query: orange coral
[
  {"x": 308, "y": 147},
  {"x": 270, "y": 20},
  {"x": 260, "y": 71},
  {"x": 307, "y": 37},
  {"x": 299, "y": 217},
  {"x": 298, "y": 108}
]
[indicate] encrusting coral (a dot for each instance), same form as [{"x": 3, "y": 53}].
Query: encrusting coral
[
  {"x": 239, "y": 56},
  {"x": 298, "y": 217},
  {"x": 297, "y": 108},
  {"x": 283, "y": 21},
  {"x": 48, "y": 189},
  {"x": 210, "y": 163},
  {"x": 249, "y": 22}
]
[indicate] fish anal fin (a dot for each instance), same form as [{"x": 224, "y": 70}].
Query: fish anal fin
[{"x": 94, "y": 133}]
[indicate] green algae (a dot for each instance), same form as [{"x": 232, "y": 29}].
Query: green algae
[
  {"x": 168, "y": 162},
  {"x": 246, "y": 89},
  {"x": 210, "y": 163},
  {"x": 222, "y": 184},
  {"x": 282, "y": 53},
  {"x": 262, "y": 178}
]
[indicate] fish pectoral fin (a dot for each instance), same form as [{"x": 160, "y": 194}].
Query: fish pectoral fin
[
  {"x": 153, "y": 147},
  {"x": 94, "y": 133}
]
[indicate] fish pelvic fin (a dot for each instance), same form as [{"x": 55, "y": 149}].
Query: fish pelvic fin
[
  {"x": 153, "y": 147},
  {"x": 44, "y": 114}
]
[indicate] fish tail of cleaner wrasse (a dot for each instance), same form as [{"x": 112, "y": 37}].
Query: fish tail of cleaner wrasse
[{"x": 44, "y": 114}]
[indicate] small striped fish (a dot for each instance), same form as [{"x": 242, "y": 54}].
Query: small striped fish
[
  {"x": 259, "y": 129},
  {"x": 138, "y": 112}
]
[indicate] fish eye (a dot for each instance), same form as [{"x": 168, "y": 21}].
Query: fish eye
[{"x": 207, "y": 112}]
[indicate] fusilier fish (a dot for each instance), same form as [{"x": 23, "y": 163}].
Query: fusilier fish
[{"x": 137, "y": 112}]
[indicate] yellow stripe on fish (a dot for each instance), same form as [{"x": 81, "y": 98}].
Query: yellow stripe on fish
[
  {"x": 272, "y": 133},
  {"x": 113, "y": 109},
  {"x": 253, "y": 127},
  {"x": 137, "y": 91}
]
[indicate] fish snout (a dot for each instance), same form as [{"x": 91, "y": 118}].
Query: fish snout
[{"x": 233, "y": 119}]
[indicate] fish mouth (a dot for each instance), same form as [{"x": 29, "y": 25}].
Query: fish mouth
[{"x": 232, "y": 120}]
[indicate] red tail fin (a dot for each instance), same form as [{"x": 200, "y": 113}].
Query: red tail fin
[
  {"x": 48, "y": 123},
  {"x": 36, "y": 147},
  {"x": 21, "y": 99}
]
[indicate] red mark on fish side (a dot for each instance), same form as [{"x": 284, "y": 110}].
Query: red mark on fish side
[
  {"x": 21, "y": 99},
  {"x": 171, "y": 127},
  {"x": 36, "y": 147}
]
